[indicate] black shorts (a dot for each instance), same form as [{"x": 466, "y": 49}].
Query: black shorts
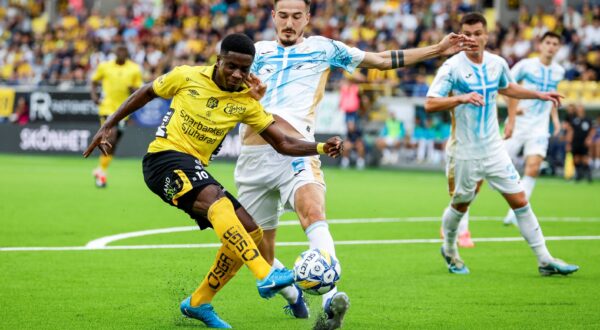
[
  {"x": 177, "y": 178},
  {"x": 579, "y": 149}
]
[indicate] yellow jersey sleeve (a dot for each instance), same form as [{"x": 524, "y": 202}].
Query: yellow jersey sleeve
[
  {"x": 257, "y": 118},
  {"x": 167, "y": 85},
  {"x": 99, "y": 74}
]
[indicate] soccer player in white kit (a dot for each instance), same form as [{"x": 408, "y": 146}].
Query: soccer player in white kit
[
  {"x": 530, "y": 131},
  {"x": 475, "y": 150},
  {"x": 295, "y": 69}
]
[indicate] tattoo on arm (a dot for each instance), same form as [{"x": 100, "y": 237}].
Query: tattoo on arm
[{"x": 397, "y": 58}]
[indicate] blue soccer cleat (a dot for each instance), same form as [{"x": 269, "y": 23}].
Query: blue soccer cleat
[
  {"x": 455, "y": 264},
  {"x": 335, "y": 309},
  {"x": 275, "y": 281},
  {"x": 557, "y": 266},
  {"x": 204, "y": 313},
  {"x": 298, "y": 309}
]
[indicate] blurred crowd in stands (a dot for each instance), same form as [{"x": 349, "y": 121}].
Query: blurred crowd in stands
[{"x": 161, "y": 34}]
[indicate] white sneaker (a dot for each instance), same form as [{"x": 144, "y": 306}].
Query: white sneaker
[
  {"x": 345, "y": 162},
  {"x": 360, "y": 163}
]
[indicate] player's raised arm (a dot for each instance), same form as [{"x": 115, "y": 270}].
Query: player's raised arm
[
  {"x": 135, "y": 101},
  {"x": 393, "y": 59},
  {"x": 294, "y": 147}
]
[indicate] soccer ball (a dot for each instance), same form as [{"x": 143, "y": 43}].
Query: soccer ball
[{"x": 316, "y": 271}]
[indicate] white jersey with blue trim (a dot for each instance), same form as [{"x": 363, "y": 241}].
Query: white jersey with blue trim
[
  {"x": 475, "y": 132},
  {"x": 536, "y": 76},
  {"x": 296, "y": 76}
]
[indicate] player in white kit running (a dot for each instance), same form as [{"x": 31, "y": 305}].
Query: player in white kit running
[
  {"x": 295, "y": 69},
  {"x": 529, "y": 130},
  {"x": 475, "y": 150}
]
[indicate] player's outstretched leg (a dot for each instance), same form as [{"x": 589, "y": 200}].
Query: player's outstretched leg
[
  {"x": 205, "y": 313},
  {"x": 449, "y": 250},
  {"x": 532, "y": 232},
  {"x": 230, "y": 231},
  {"x": 296, "y": 304},
  {"x": 319, "y": 237},
  {"x": 224, "y": 268}
]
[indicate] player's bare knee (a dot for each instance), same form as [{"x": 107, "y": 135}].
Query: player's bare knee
[
  {"x": 461, "y": 207},
  {"x": 207, "y": 197}
]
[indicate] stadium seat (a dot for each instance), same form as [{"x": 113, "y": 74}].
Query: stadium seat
[{"x": 590, "y": 91}]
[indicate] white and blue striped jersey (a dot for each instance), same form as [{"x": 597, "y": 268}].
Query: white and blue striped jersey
[
  {"x": 536, "y": 76},
  {"x": 475, "y": 133},
  {"x": 296, "y": 76}
]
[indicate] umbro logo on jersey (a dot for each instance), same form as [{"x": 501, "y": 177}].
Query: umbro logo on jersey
[
  {"x": 193, "y": 93},
  {"x": 212, "y": 102},
  {"x": 468, "y": 76}
]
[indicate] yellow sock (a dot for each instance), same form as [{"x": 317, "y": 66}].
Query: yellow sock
[
  {"x": 226, "y": 265},
  {"x": 105, "y": 161},
  {"x": 232, "y": 234}
]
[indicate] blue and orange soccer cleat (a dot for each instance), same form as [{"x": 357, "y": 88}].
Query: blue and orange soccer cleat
[
  {"x": 275, "y": 281},
  {"x": 205, "y": 313},
  {"x": 455, "y": 264},
  {"x": 557, "y": 266},
  {"x": 298, "y": 309}
]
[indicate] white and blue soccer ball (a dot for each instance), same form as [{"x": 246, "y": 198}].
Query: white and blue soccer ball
[{"x": 316, "y": 271}]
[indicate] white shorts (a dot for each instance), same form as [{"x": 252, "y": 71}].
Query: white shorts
[
  {"x": 267, "y": 181},
  {"x": 465, "y": 175},
  {"x": 532, "y": 145}
]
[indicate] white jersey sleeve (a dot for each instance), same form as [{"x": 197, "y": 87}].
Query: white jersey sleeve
[{"x": 443, "y": 82}]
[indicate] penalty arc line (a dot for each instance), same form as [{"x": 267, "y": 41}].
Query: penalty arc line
[
  {"x": 104, "y": 241},
  {"x": 282, "y": 244}
]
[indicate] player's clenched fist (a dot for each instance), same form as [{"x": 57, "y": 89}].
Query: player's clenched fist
[{"x": 334, "y": 146}]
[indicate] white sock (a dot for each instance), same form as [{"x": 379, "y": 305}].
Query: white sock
[
  {"x": 450, "y": 221},
  {"x": 532, "y": 232},
  {"x": 320, "y": 238},
  {"x": 290, "y": 293},
  {"x": 528, "y": 183},
  {"x": 463, "y": 225}
]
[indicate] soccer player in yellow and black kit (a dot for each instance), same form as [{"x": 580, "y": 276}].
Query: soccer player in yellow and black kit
[
  {"x": 119, "y": 77},
  {"x": 209, "y": 101}
]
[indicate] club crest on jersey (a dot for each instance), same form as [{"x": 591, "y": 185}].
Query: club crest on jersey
[{"x": 212, "y": 102}]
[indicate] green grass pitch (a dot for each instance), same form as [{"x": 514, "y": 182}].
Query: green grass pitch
[{"x": 52, "y": 202}]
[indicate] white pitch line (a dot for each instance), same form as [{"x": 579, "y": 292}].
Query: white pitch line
[
  {"x": 282, "y": 244},
  {"x": 104, "y": 241}
]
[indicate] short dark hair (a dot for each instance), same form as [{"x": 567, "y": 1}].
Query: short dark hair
[
  {"x": 473, "y": 18},
  {"x": 306, "y": 2},
  {"x": 551, "y": 34},
  {"x": 239, "y": 43}
]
